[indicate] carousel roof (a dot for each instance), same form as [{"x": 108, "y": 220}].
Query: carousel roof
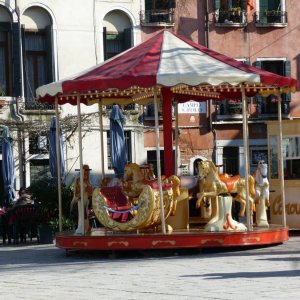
[{"x": 165, "y": 60}]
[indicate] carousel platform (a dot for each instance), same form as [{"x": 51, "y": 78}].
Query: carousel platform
[{"x": 104, "y": 239}]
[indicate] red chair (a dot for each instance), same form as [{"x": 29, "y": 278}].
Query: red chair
[
  {"x": 118, "y": 202},
  {"x": 23, "y": 222}
]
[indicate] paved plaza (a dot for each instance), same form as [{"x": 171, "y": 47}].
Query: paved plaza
[{"x": 35, "y": 271}]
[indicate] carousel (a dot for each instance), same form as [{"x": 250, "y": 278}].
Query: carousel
[{"x": 141, "y": 210}]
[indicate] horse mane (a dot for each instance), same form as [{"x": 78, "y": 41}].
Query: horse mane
[{"x": 213, "y": 166}]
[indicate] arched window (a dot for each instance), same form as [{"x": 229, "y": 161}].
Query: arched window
[
  {"x": 117, "y": 33},
  {"x": 5, "y": 53},
  {"x": 37, "y": 51}
]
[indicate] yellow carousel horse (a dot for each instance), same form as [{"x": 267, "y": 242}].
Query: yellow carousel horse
[
  {"x": 134, "y": 180},
  {"x": 144, "y": 200},
  {"x": 215, "y": 185}
]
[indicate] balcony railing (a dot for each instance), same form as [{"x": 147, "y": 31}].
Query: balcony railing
[
  {"x": 230, "y": 18},
  {"x": 157, "y": 17},
  {"x": 32, "y": 104},
  {"x": 272, "y": 18}
]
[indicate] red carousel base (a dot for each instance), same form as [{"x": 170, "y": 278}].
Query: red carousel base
[{"x": 103, "y": 239}]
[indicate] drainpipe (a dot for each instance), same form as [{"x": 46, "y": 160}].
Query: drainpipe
[{"x": 17, "y": 115}]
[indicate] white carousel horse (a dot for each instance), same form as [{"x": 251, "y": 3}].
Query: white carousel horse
[
  {"x": 262, "y": 194},
  {"x": 87, "y": 194},
  {"x": 215, "y": 185}
]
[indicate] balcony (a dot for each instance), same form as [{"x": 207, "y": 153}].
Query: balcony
[
  {"x": 31, "y": 105},
  {"x": 231, "y": 111},
  {"x": 271, "y": 18},
  {"x": 234, "y": 17},
  {"x": 157, "y": 17}
]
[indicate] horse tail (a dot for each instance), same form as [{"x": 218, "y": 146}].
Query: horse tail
[{"x": 251, "y": 184}]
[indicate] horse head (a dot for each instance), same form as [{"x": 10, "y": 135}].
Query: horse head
[
  {"x": 204, "y": 168},
  {"x": 262, "y": 167},
  {"x": 132, "y": 172}
]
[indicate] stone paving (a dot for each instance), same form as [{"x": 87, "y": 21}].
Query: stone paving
[{"x": 35, "y": 271}]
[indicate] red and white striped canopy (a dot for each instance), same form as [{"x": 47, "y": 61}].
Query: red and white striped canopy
[{"x": 165, "y": 60}]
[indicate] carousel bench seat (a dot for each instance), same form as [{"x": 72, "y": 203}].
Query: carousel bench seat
[{"x": 118, "y": 202}]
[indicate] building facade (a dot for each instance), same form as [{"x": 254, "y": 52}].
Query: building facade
[
  {"x": 259, "y": 32},
  {"x": 44, "y": 41}
]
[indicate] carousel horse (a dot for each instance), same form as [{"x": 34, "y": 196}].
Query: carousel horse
[
  {"x": 146, "y": 214},
  {"x": 87, "y": 194},
  {"x": 262, "y": 194},
  {"x": 214, "y": 186},
  {"x": 134, "y": 180}
]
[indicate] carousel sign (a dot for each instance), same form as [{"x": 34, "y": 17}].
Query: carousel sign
[{"x": 192, "y": 107}]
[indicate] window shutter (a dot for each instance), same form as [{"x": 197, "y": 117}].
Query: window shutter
[
  {"x": 218, "y": 4},
  {"x": 16, "y": 59},
  {"x": 49, "y": 55},
  {"x": 263, "y": 5},
  {"x": 104, "y": 44},
  {"x": 258, "y": 98},
  {"x": 287, "y": 73},
  {"x": 127, "y": 38}
]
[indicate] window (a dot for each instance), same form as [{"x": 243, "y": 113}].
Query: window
[
  {"x": 38, "y": 144},
  {"x": 116, "y": 42},
  {"x": 151, "y": 159},
  {"x": 127, "y": 135},
  {"x": 37, "y": 71},
  {"x": 5, "y": 60},
  {"x": 158, "y": 12},
  {"x": 291, "y": 157},
  {"x": 231, "y": 160},
  {"x": 271, "y": 12},
  {"x": 268, "y": 105},
  {"x": 39, "y": 168},
  {"x": 230, "y": 12}
]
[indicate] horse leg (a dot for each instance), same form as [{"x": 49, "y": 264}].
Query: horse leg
[{"x": 239, "y": 199}]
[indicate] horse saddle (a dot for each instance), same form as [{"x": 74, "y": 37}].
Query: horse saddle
[{"x": 229, "y": 180}]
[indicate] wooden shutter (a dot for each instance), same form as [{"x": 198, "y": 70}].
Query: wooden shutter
[
  {"x": 258, "y": 98},
  {"x": 263, "y": 5},
  {"x": 218, "y": 4},
  {"x": 287, "y": 73},
  {"x": 49, "y": 54},
  {"x": 104, "y": 44},
  {"x": 127, "y": 38},
  {"x": 16, "y": 59}
]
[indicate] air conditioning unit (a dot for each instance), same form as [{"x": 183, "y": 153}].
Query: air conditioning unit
[{"x": 42, "y": 142}]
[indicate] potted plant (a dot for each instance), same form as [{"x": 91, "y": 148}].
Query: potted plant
[{"x": 45, "y": 195}]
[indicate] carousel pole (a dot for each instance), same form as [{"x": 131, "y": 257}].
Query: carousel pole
[
  {"x": 58, "y": 164},
  {"x": 176, "y": 138},
  {"x": 246, "y": 155},
  {"x": 280, "y": 158},
  {"x": 161, "y": 200},
  {"x": 101, "y": 138},
  {"x": 81, "y": 165}
]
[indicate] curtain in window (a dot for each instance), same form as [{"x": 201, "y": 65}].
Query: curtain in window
[
  {"x": 2, "y": 63},
  {"x": 35, "y": 63}
]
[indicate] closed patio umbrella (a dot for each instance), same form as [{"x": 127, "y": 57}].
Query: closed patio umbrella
[
  {"x": 8, "y": 167},
  {"x": 53, "y": 153},
  {"x": 117, "y": 141}
]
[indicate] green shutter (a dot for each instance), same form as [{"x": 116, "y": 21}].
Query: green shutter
[
  {"x": 263, "y": 5},
  {"x": 127, "y": 38},
  {"x": 258, "y": 98},
  {"x": 104, "y": 44},
  {"x": 287, "y": 73},
  {"x": 49, "y": 55},
  {"x": 218, "y": 4},
  {"x": 16, "y": 60}
]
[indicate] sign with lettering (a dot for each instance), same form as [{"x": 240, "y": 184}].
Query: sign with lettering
[{"x": 192, "y": 107}]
